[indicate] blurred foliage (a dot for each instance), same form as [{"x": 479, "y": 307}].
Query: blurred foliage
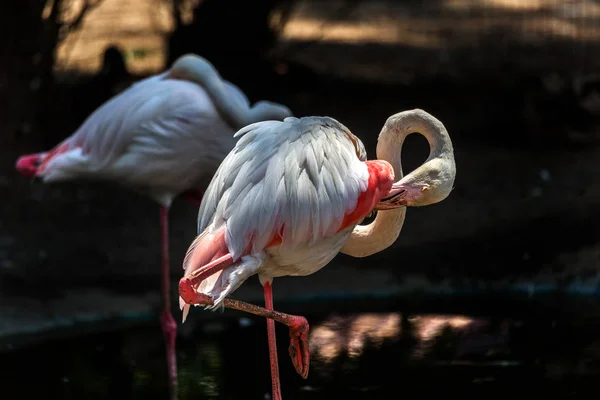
[{"x": 32, "y": 31}]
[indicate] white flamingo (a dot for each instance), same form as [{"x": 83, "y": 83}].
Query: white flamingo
[
  {"x": 289, "y": 197},
  {"x": 163, "y": 137}
]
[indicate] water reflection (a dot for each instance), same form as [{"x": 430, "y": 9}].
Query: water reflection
[
  {"x": 202, "y": 374},
  {"x": 429, "y": 328},
  {"x": 349, "y": 334},
  {"x": 359, "y": 356}
]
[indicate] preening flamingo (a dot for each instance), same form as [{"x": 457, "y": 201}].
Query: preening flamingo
[
  {"x": 165, "y": 136},
  {"x": 289, "y": 197}
]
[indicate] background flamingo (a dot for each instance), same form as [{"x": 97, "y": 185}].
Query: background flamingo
[
  {"x": 289, "y": 197},
  {"x": 163, "y": 137}
]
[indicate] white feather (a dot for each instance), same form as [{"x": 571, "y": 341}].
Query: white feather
[
  {"x": 298, "y": 177},
  {"x": 161, "y": 136}
]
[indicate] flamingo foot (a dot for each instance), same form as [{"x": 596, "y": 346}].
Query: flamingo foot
[
  {"x": 188, "y": 283},
  {"x": 299, "y": 328},
  {"x": 299, "y": 349},
  {"x": 189, "y": 294}
]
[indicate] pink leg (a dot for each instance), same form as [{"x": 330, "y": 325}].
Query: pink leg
[
  {"x": 298, "y": 350},
  {"x": 169, "y": 327},
  {"x": 275, "y": 384}
]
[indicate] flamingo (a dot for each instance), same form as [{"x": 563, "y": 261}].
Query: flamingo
[
  {"x": 290, "y": 196},
  {"x": 163, "y": 137}
]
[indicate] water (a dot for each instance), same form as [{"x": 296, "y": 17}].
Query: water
[{"x": 384, "y": 355}]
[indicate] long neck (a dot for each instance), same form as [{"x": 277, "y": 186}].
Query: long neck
[
  {"x": 366, "y": 240},
  {"x": 199, "y": 70}
]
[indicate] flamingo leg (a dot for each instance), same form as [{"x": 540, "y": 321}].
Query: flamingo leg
[
  {"x": 275, "y": 384},
  {"x": 197, "y": 276},
  {"x": 167, "y": 322},
  {"x": 298, "y": 350}
]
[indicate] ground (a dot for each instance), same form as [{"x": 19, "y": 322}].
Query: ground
[{"x": 522, "y": 218}]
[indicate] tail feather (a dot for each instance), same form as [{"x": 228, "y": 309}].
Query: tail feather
[
  {"x": 185, "y": 308},
  {"x": 207, "y": 247}
]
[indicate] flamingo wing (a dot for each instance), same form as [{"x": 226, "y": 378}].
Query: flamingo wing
[
  {"x": 154, "y": 108},
  {"x": 162, "y": 136},
  {"x": 288, "y": 182},
  {"x": 288, "y": 185}
]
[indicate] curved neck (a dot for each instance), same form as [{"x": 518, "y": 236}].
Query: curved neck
[
  {"x": 366, "y": 240},
  {"x": 234, "y": 112}
]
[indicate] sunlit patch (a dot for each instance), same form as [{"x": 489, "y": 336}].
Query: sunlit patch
[
  {"x": 325, "y": 343},
  {"x": 428, "y": 327},
  {"x": 340, "y": 337},
  {"x": 530, "y": 5},
  {"x": 138, "y": 28},
  {"x": 350, "y": 336},
  {"x": 372, "y": 329}
]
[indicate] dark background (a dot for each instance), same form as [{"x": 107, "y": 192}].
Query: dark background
[{"x": 513, "y": 81}]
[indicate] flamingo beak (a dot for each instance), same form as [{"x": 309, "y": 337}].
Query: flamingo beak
[{"x": 395, "y": 198}]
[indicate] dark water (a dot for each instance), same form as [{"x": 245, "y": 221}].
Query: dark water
[{"x": 385, "y": 355}]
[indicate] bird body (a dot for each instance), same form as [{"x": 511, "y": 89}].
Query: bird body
[
  {"x": 284, "y": 201},
  {"x": 163, "y": 137},
  {"x": 290, "y": 196},
  {"x": 160, "y": 138}
]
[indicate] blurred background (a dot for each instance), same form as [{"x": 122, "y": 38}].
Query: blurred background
[{"x": 492, "y": 292}]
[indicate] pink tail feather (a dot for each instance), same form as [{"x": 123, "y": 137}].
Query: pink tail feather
[{"x": 204, "y": 249}]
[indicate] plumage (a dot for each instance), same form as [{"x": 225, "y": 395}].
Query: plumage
[
  {"x": 163, "y": 136},
  {"x": 289, "y": 197},
  {"x": 160, "y": 137},
  {"x": 282, "y": 196}
]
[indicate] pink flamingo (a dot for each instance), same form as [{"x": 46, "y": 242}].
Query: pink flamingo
[
  {"x": 290, "y": 196},
  {"x": 163, "y": 137}
]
